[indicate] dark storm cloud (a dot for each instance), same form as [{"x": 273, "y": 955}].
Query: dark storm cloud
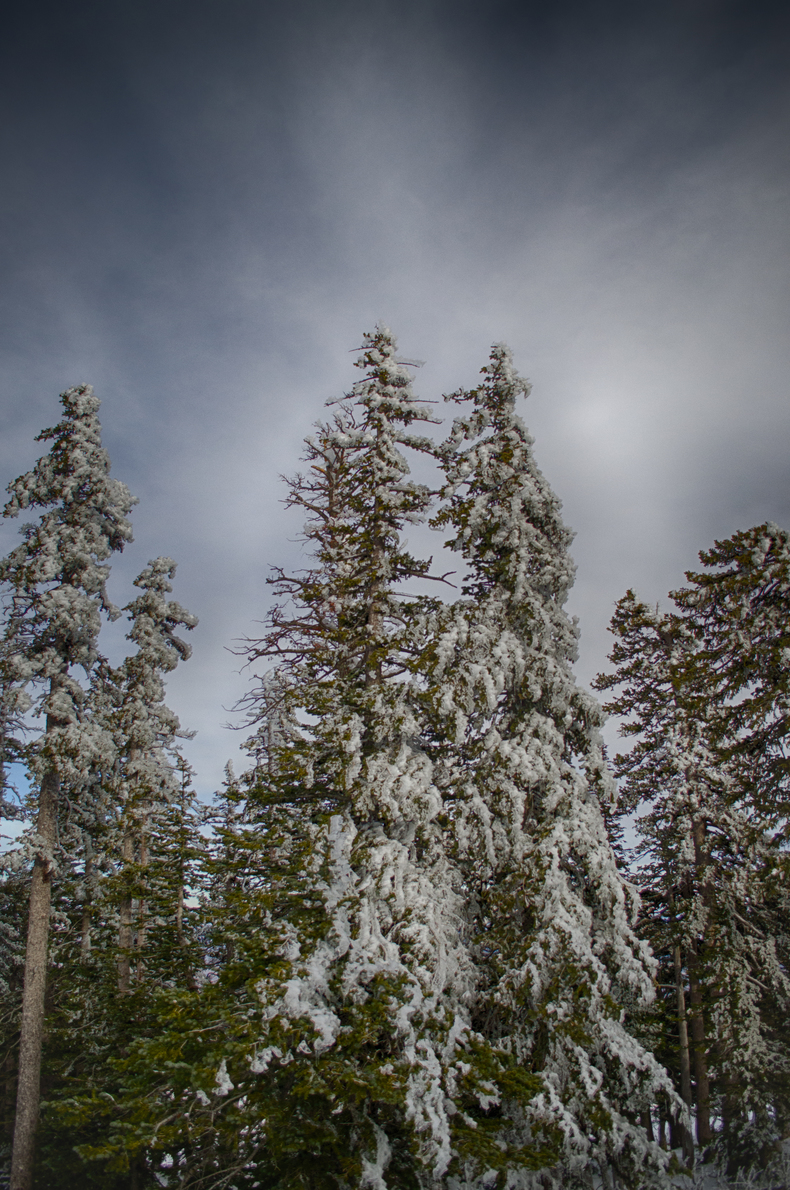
[{"x": 204, "y": 204}]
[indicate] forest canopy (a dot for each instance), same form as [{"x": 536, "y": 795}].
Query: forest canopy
[{"x": 430, "y": 936}]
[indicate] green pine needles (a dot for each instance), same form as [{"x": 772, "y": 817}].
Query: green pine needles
[{"x": 403, "y": 949}]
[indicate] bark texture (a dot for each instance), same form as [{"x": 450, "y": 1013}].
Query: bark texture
[
  {"x": 32, "y": 1032},
  {"x": 685, "y": 1059},
  {"x": 125, "y": 927}
]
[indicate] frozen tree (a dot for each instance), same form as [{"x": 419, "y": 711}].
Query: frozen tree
[
  {"x": 519, "y": 760},
  {"x": 740, "y": 608},
  {"x": 331, "y": 1042},
  {"x": 138, "y": 891},
  {"x": 705, "y": 691},
  {"x": 367, "y": 977},
  {"x": 147, "y": 782},
  {"x": 57, "y": 578},
  {"x": 681, "y": 789}
]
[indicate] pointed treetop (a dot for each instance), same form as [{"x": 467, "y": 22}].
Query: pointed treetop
[
  {"x": 503, "y": 383},
  {"x": 386, "y": 389},
  {"x": 86, "y": 510},
  {"x": 508, "y": 520},
  {"x": 76, "y": 471},
  {"x": 58, "y": 573},
  {"x": 155, "y": 618}
]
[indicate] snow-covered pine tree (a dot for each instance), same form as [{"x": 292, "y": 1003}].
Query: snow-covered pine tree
[
  {"x": 713, "y": 859},
  {"x": 331, "y": 1047},
  {"x": 739, "y": 606},
  {"x": 57, "y": 579},
  {"x": 13, "y": 903},
  {"x": 678, "y": 789},
  {"x": 520, "y": 764},
  {"x": 366, "y": 979},
  {"x": 148, "y": 775},
  {"x": 146, "y": 848}
]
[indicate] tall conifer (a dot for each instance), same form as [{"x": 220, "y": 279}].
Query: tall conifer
[
  {"x": 704, "y": 691},
  {"x": 521, "y": 767},
  {"x": 57, "y": 578},
  {"x": 130, "y": 701},
  {"x": 367, "y": 976}
]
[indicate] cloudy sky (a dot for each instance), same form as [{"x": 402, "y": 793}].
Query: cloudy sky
[{"x": 205, "y": 202}]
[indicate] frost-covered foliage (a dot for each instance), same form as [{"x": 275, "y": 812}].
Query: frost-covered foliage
[
  {"x": 401, "y": 954},
  {"x": 366, "y": 977},
  {"x": 114, "y": 833},
  {"x": 145, "y": 727},
  {"x": 55, "y": 586},
  {"x": 56, "y": 579},
  {"x": 521, "y": 767},
  {"x": 704, "y": 690},
  {"x": 124, "y": 931},
  {"x": 419, "y": 945},
  {"x": 144, "y": 785},
  {"x": 740, "y": 607}
]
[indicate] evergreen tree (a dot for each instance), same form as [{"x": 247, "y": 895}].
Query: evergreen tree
[
  {"x": 13, "y": 703},
  {"x": 366, "y": 975},
  {"x": 740, "y": 608},
  {"x": 713, "y": 859},
  {"x": 57, "y": 579},
  {"x": 150, "y": 779},
  {"x": 145, "y": 848},
  {"x": 330, "y": 1044},
  {"x": 522, "y": 771},
  {"x": 739, "y": 605}
]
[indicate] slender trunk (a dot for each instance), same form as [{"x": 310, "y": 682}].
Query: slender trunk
[
  {"x": 180, "y": 915},
  {"x": 142, "y": 908},
  {"x": 32, "y": 1031},
  {"x": 182, "y": 845},
  {"x": 704, "y": 1132},
  {"x": 647, "y": 1123},
  {"x": 685, "y": 1061},
  {"x": 729, "y": 1117},
  {"x": 125, "y": 927},
  {"x": 85, "y": 932}
]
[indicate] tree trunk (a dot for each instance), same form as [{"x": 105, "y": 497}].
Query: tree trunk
[
  {"x": 685, "y": 1061},
  {"x": 180, "y": 915},
  {"x": 143, "y": 907},
  {"x": 704, "y": 1132},
  {"x": 125, "y": 927},
  {"x": 85, "y": 939},
  {"x": 662, "y": 1128},
  {"x": 32, "y": 1032}
]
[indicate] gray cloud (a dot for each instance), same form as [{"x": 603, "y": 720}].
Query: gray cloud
[{"x": 205, "y": 205}]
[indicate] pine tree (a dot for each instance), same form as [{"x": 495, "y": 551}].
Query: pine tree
[
  {"x": 148, "y": 775},
  {"x": 146, "y": 846},
  {"x": 367, "y": 975},
  {"x": 739, "y": 605},
  {"x": 330, "y": 1044},
  {"x": 13, "y": 703},
  {"x": 521, "y": 767},
  {"x": 57, "y": 578},
  {"x": 713, "y": 864},
  {"x": 680, "y": 788}
]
